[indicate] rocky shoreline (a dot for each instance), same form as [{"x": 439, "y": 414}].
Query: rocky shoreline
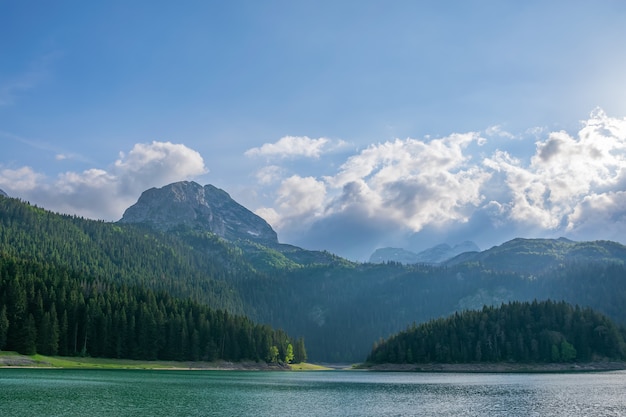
[{"x": 505, "y": 367}]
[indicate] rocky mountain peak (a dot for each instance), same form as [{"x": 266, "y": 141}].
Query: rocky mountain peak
[{"x": 204, "y": 208}]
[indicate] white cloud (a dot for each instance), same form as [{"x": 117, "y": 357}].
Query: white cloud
[
  {"x": 24, "y": 178},
  {"x": 567, "y": 174},
  {"x": 157, "y": 163},
  {"x": 295, "y": 146},
  {"x": 411, "y": 182},
  {"x": 299, "y": 202},
  {"x": 573, "y": 184},
  {"x": 104, "y": 194},
  {"x": 269, "y": 174},
  {"x": 270, "y": 216},
  {"x": 600, "y": 214}
]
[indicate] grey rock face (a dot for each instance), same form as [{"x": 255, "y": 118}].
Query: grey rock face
[{"x": 207, "y": 208}]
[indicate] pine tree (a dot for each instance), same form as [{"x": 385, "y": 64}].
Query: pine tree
[
  {"x": 4, "y": 327},
  {"x": 299, "y": 354}
]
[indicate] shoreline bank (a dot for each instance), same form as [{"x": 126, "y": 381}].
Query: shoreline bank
[
  {"x": 16, "y": 360},
  {"x": 598, "y": 366}
]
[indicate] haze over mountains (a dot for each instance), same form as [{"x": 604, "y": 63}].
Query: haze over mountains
[
  {"x": 195, "y": 241},
  {"x": 434, "y": 255}
]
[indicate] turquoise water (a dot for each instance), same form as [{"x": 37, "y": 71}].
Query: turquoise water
[{"x": 39, "y": 392}]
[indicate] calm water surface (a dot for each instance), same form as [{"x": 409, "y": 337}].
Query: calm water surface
[{"x": 37, "y": 392}]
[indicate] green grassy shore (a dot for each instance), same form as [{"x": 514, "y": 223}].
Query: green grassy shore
[{"x": 14, "y": 360}]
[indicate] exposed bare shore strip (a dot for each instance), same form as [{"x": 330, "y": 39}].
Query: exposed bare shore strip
[
  {"x": 598, "y": 366},
  {"x": 15, "y": 360}
]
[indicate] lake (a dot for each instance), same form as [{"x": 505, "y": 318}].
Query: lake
[{"x": 48, "y": 392}]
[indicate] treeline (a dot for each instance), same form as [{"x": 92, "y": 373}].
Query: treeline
[
  {"x": 522, "y": 332},
  {"x": 341, "y": 310},
  {"x": 53, "y": 310}
]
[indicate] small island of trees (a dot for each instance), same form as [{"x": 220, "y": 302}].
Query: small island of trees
[{"x": 537, "y": 332}]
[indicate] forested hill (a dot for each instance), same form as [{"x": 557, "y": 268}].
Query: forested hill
[
  {"x": 520, "y": 332},
  {"x": 533, "y": 256},
  {"x": 126, "y": 254},
  {"x": 52, "y": 310},
  {"x": 73, "y": 286}
]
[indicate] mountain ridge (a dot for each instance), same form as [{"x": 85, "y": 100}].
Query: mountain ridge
[
  {"x": 204, "y": 208},
  {"x": 533, "y": 255},
  {"x": 434, "y": 255}
]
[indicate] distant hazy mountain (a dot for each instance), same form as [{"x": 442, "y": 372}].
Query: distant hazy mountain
[
  {"x": 434, "y": 255},
  {"x": 2, "y": 193},
  {"x": 200, "y": 208}
]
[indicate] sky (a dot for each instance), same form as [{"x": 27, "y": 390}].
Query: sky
[{"x": 347, "y": 125}]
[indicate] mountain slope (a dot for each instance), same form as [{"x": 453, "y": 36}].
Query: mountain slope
[
  {"x": 124, "y": 253},
  {"x": 207, "y": 209},
  {"x": 538, "y": 255},
  {"x": 187, "y": 209}
]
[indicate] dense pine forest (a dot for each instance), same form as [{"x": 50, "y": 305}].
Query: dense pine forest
[
  {"x": 124, "y": 253},
  {"x": 54, "y": 311},
  {"x": 520, "y": 332}
]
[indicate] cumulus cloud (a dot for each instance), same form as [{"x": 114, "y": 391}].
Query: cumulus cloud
[
  {"x": 572, "y": 184},
  {"x": 568, "y": 175},
  {"x": 411, "y": 182},
  {"x": 24, "y": 178},
  {"x": 295, "y": 146},
  {"x": 600, "y": 213},
  {"x": 157, "y": 163},
  {"x": 105, "y": 193},
  {"x": 299, "y": 202}
]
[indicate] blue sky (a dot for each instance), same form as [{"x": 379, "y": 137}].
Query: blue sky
[{"x": 348, "y": 125}]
